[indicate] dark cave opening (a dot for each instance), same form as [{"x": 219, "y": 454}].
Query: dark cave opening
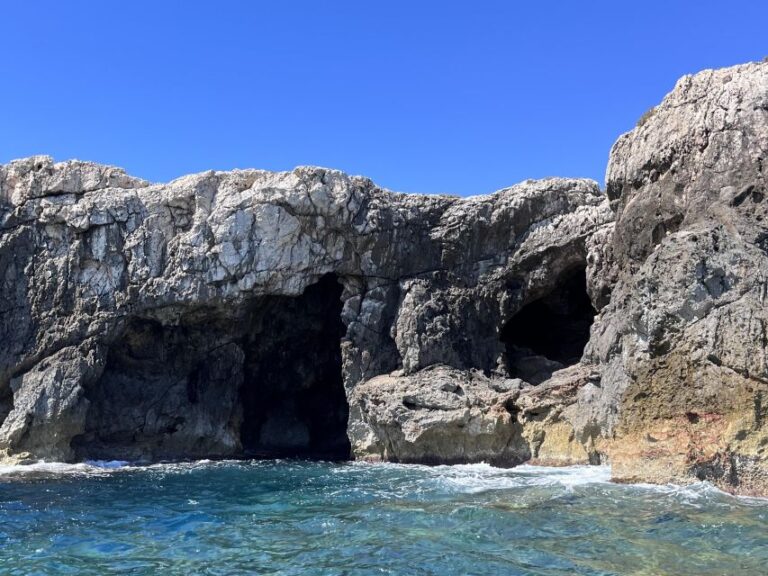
[
  {"x": 292, "y": 396},
  {"x": 6, "y": 401},
  {"x": 264, "y": 381},
  {"x": 167, "y": 391},
  {"x": 551, "y": 332}
]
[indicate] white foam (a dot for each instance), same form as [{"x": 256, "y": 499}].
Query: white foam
[
  {"x": 476, "y": 478},
  {"x": 43, "y": 468},
  {"x": 98, "y": 468},
  {"x": 568, "y": 475},
  {"x": 108, "y": 464},
  {"x": 461, "y": 478},
  {"x": 481, "y": 477},
  {"x": 696, "y": 491}
]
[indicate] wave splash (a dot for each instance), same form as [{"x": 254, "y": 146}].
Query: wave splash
[{"x": 456, "y": 479}]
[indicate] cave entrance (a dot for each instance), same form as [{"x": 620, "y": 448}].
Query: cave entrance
[
  {"x": 214, "y": 382},
  {"x": 292, "y": 396},
  {"x": 550, "y": 333}
]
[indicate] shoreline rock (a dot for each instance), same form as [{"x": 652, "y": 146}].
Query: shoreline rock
[{"x": 312, "y": 313}]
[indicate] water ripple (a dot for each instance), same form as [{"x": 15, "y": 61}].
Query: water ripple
[{"x": 293, "y": 517}]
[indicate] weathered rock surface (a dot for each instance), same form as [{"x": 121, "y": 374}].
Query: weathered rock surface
[
  {"x": 313, "y": 313},
  {"x": 441, "y": 415},
  {"x": 239, "y": 313},
  {"x": 682, "y": 345}
]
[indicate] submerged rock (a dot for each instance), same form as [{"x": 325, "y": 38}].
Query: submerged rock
[{"x": 311, "y": 313}]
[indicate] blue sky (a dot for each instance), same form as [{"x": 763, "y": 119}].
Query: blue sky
[{"x": 453, "y": 97}]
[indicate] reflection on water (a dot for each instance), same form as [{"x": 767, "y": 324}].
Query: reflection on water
[{"x": 287, "y": 517}]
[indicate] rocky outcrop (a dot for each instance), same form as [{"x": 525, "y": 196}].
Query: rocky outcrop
[
  {"x": 246, "y": 313},
  {"x": 441, "y": 415},
  {"x": 315, "y": 314},
  {"x": 682, "y": 345}
]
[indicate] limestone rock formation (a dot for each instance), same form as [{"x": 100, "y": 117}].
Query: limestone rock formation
[
  {"x": 234, "y": 314},
  {"x": 441, "y": 415},
  {"x": 311, "y": 313},
  {"x": 682, "y": 345}
]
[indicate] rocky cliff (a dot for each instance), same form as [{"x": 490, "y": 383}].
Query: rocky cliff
[
  {"x": 310, "y": 313},
  {"x": 682, "y": 345}
]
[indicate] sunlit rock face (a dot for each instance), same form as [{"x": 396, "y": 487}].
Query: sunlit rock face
[
  {"x": 313, "y": 314},
  {"x": 235, "y": 314},
  {"x": 682, "y": 345}
]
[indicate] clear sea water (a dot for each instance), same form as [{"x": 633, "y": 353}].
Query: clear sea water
[{"x": 287, "y": 517}]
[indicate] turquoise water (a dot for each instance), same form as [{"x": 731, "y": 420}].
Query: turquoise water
[{"x": 319, "y": 518}]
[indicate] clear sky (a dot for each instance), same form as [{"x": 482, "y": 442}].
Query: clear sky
[{"x": 421, "y": 96}]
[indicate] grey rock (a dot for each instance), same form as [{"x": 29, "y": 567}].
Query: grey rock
[
  {"x": 313, "y": 313},
  {"x": 681, "y": 346},
  {"x": 440, "y": 415},
  {"x": 236, "y": 313}
]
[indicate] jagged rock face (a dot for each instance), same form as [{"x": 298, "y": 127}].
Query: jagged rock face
[
  {"x": 682, "y": 345},
  {"x": 311, "y": 313},
  {"x": 234, "y": 314}
]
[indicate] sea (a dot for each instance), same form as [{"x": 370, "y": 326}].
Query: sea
[{"x": 299, "y": 517}]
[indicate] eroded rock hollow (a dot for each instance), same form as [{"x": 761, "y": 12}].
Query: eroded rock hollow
[
  {"x": 292, "y": 395},
  {"x": 551, "y": 332},
  {"x": 264, "y": 380},
  {"x": 314, "y": 314}
]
